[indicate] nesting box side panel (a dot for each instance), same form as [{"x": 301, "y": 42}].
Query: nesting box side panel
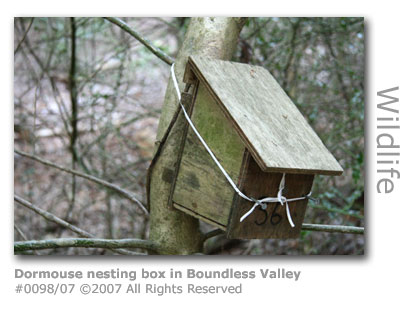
[
  {"x": 201, "y": 189},
  {"x": 272, "y": 222}
]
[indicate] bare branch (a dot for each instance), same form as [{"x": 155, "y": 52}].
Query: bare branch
[
  {"x": 84, "y": 243},
  {"x": 50, "y": 217},
  {"x": 74, "y": 114},
  {"x": 332, "y": 228},
  {"x": 156, "y": 51},
  {"x": 21, "y": 233},
  {"x": 127, "y": 194},
  {"x": 305, "y": 227},
  {"x": 24, "y": 36}
]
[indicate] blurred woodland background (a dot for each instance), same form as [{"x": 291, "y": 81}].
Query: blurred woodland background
[{"x": 98, "y": 113}]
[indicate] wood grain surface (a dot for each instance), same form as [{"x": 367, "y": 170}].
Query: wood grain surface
[
  {"x": 272, "y": 222},
  {"x": 267, "y": 121},
  {"x": 201, "y": 188}
]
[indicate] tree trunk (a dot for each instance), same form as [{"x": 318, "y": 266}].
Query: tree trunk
[{"x": 172, "y": 229}]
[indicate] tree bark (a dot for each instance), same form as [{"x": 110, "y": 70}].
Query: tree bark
[{"x": 211, "y": 37}]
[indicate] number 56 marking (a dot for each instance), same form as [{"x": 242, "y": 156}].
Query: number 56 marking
[{"x": 275, "y": 218}]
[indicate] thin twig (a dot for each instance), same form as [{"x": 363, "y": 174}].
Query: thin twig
[
  {"x": 21, "y": 233},
  {"x": 74, "y": 115},
  {"x": 156, "y": 51},
  {"x": 24, "y": 36},
  {"x": 84, "y": 243},
  {"x": 50, "y": 217},
  {"x": 332, "y": 228},
  {"x": 127, "y": 194},
  {"x": 305, "y": 227}
]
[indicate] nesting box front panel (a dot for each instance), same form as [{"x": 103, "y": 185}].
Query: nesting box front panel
[
  {"x": 272, "y": 222},
  {"x": 200, "y": 188}
]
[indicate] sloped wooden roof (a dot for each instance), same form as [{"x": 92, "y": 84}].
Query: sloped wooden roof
[{"x": 268, "y": 122}]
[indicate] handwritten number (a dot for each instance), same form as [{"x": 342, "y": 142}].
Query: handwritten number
[
  {"x": 265, "y": 218},
  {"x": 275, "y": 218}
]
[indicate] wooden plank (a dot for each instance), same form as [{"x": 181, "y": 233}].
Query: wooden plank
[
  {"x": 271, "y": 223},
  {"x": 200, "y": 186},
  {"x": 187, "y": 101},
  {"x": 268, "y": 122}
]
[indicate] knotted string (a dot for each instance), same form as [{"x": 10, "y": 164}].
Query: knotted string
[
  {"x": 261, "y": 202},
  {"x": 280, "y": 198}
]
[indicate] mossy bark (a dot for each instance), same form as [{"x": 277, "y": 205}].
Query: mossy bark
[{"x": 211, "y": 37}]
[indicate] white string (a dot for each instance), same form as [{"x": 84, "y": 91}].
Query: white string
[{"x": 262, "y": 202}]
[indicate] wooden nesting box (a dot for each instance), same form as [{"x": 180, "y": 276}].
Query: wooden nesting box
[{"x": 257, "y": 134}]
